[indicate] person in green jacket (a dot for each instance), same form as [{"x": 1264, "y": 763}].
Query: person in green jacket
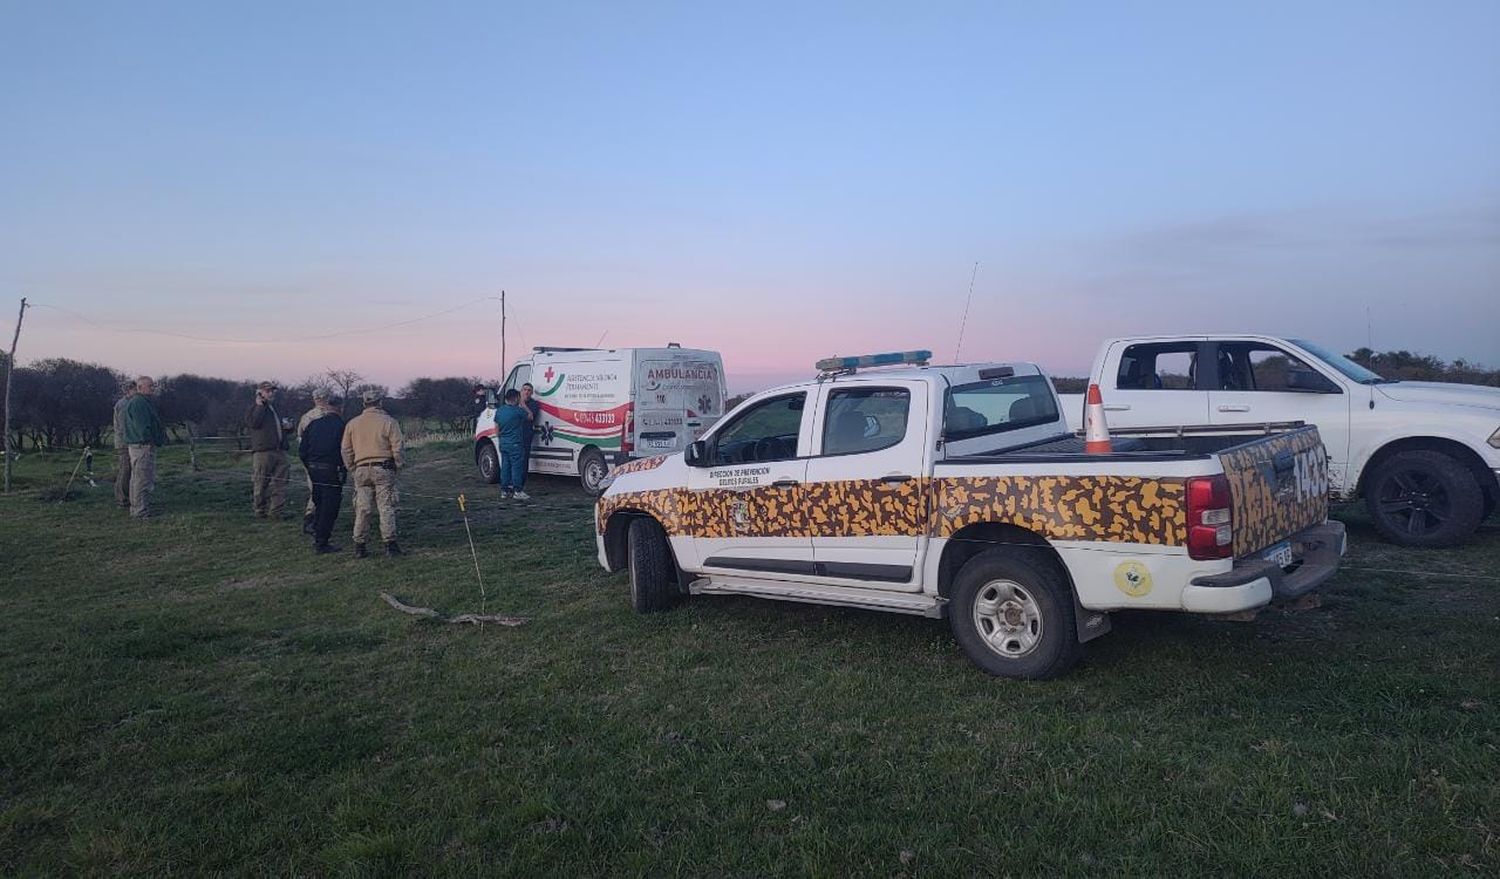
[{"x": 143, "y": 433}]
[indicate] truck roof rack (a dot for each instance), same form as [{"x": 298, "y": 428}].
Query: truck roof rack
[
  {"x": 543, "y": 349},
  {"x": 831, "y": 366}
]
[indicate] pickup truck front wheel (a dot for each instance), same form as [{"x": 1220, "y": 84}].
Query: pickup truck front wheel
[
  {"x": 653, "y": 573},
  {"x": 1013, "y": 616},
  {"x": 1424, "y": 498}
]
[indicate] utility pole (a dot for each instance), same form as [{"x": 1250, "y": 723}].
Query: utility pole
[
  {"x": 503, "y": 363},
  {"x": 10, "y": 370}
]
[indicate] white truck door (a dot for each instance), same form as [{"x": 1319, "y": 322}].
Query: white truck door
[
  {"x": 865, "y": 490},
  {"x": 1154, "y": 384},
  {"x": 746, "y": 510},
  {"x": 1259, "y": 383}
]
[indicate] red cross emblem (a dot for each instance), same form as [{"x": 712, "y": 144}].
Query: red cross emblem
[{"x": 547, "y": 376}]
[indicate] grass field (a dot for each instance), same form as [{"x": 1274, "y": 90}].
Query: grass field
[{"x": 200, "y": 693}]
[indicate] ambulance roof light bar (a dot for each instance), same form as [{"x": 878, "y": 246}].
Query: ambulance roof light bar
[{"x": 843, "y": 365}]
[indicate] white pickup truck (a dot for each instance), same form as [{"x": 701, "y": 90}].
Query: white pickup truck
[
  {"x": 1424, "y": 456},
  {"x": 959, "y": 491}
]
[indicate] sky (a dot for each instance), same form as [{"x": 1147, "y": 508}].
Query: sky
[{"x": 203, "y": 188}]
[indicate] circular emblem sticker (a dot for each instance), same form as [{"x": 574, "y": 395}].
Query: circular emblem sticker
[{"x": 1133, "y": 579}]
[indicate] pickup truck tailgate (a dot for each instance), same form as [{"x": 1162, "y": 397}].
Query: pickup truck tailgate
[{"x": 1278, "y": 486}]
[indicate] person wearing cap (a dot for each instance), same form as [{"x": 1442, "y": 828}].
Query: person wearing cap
[
  {"x": 122, "y": 448},
  {"x": 268, "y": 441},
  {"x": 319, "y": 409},
  {"x": 373, "y": 451},
  {"x": 320, "y": 447}
]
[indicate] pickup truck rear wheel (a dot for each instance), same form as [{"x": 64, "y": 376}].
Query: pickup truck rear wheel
[
  {"x": 1013, "y": 616},
  {"x": 1424, "y": 498},
  {"x": 653, "y": 574}
]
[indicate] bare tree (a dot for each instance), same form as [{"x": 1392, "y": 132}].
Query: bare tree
[{"x": 345, "y": 380}]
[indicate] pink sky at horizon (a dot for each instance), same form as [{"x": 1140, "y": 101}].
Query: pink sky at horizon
[{"x": 469, "y": 346}]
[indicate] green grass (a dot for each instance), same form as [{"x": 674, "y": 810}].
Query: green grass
[{"x": 200, "y": 693}]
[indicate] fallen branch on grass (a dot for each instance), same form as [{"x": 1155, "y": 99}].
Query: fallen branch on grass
[{"x": 475, "y": 618}]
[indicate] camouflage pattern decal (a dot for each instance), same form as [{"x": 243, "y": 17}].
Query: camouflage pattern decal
[
  {"x": 1120, "y": 509},
  {"x": 1268, "y": 507},
  {"x": 660, "y": 504},
  {"x": 639, "y": 465}
]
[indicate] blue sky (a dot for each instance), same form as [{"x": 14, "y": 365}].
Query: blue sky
[{"x": 779, "y": 181}]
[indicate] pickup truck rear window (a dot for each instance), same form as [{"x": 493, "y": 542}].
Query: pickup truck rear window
[{"x": 984, "y": 408}]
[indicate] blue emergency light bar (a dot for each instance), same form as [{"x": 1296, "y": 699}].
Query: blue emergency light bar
[{"x": 839, "y": 364}]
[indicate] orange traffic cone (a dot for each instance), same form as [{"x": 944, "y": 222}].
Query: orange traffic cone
[{"x": 1095, "y": 429}]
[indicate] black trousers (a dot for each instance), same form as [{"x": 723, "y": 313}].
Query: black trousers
[{"x": 327, "y": 495}]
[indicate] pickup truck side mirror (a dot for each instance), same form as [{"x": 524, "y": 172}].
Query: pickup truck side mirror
[
  {"x": 1300, "y": 378},
  {"x": 696, "y": 454}
]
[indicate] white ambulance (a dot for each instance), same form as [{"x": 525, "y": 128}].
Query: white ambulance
[{"x": 601, "y": 407}]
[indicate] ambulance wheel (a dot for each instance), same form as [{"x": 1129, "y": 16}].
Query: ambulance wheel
[
  {"x": 653, "y": 574},
  {"x": 592, "y": 469},
  {"x": 1013, "y": 616},
  {"x": 489, "y": 464}
]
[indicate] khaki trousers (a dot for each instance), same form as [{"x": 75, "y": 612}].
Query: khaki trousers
[
  {"x": 374, "y": 489},
  {"x": 142, "y": 478},
  {"x": 268, "y": 471},
  {"x": 122, "y": 476}
]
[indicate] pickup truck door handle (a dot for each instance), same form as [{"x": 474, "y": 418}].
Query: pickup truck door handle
[
  {"x": 895, "y": 479},
  {"x": 785, "y": 483},
  {"x": 1234, "y": 408},
  {"x": 1116, "y": 407}
]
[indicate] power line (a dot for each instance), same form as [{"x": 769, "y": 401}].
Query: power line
[{"x": 276, "y": 341}]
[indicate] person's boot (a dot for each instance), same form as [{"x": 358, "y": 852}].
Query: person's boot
[
  {"x": 307, "y": 523},
  {"x": 360, "y": 552},
  {"x": 325, "y": 548},
  {"x": 392, "y": 550}
]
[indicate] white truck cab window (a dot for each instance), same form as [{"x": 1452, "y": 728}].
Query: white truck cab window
[
  {"x": 865, "y": 420},
  {"x": 1162, "y": 367},
  {"x": 767, "y": 431},
  {"x": 987, "y": 407}
]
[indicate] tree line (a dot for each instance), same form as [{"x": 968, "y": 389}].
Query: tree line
[{"x": 59, "y": 403}]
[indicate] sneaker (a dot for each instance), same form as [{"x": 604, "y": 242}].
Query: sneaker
[
  {"x": 392, "y": 550},
  {"x": 521, "y": 496},
  {"x": 360, "y": 552},
  {"x": 504, "y": 495},
  {"x": 324, "y": 549}
]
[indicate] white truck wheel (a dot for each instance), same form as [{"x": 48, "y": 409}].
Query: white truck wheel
[{"x": 1013, "y": 616}]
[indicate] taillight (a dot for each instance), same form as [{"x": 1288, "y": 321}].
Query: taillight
[
  {"x": 1209, "y": 518},
  {"x": 627, "y": 435}
]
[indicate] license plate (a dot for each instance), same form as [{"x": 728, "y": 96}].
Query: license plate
[
  {"x": 660, "y": 444},
  {"x": 1281, "y": 554}
]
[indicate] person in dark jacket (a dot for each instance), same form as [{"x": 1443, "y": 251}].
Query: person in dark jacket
[
  {"x": 320, "y": 451},
  {"x": 268, "y": 467},
  {"x": 144, "y": 433},
  {"x": 533, "y": 408}
]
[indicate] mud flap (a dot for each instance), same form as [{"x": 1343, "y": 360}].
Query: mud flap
[{"x": 1090, "y": 623}]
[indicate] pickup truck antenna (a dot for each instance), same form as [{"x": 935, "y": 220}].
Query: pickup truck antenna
[{"x": 965, "y": 322}]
